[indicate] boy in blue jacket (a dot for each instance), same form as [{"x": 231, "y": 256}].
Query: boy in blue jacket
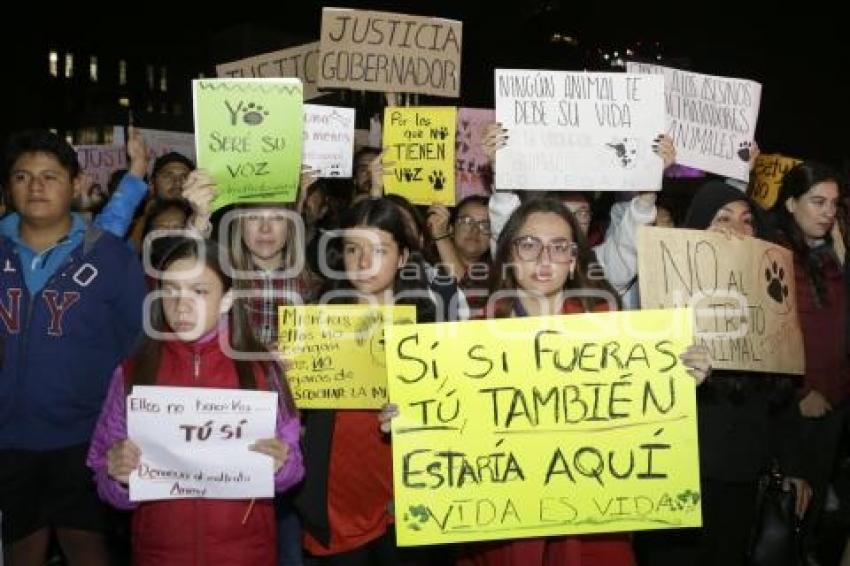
[{"x": 70, "y": 308}]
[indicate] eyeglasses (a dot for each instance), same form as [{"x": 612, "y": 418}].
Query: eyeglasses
[
  {"x": 530, "y": 248},
  {"x": 467, "y": 223}
]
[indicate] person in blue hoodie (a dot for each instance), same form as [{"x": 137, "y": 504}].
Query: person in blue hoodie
[{"x": 71, "y": 299}]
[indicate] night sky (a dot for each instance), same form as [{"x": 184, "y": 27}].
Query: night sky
[{"x": 801, "y": 55}]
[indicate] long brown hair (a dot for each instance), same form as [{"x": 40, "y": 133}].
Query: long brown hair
[
  {"x": 798, "y": 181},
  {"x": 502, "y": 276},
  {"x": 145, "y": 363}
]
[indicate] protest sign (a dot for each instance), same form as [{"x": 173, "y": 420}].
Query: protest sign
[
  {"x": 248, "y": 135},
  {"x": 194, "y": 442},
  {"x": 295, "y": 62},
  {"x": 328, "y": 139},
  {"x": 528, "y": 427},
  {"x": 421, "y": 143},
  {"x": 742, "y": 291},
  {"x": 579, "y": 131},
  {"x": 712, "y": 120},
  {"x": 337, "y": 353},
  {"x": 385, "y": 52}
]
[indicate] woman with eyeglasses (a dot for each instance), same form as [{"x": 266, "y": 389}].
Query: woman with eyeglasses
[
  {"x": 616, "y": 254},
  {"x": 541, "y": 268},
  {"x": 462, "y": 239}
]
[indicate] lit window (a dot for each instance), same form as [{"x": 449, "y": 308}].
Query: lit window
[
  {"x": 69, "y": 65},
  {"x": 53, "y": 60},
  {"x": 93, "y": 68},
  {"x": 122, "y": 72},
  {"x": 124, "y": 101},
  {"x": 163, "y": 79}
]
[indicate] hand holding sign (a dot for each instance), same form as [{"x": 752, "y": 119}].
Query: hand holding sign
[
  {"x": 664, "y": 148},
  {"x": 386, "y": 416},
  {"x": 277, "y": 450},
  {"x": 122, "y": 458},
  {"x": 200, "y": 191},
  {"x": 495, "y": 138},
  {"x": 698, "y": 361}
]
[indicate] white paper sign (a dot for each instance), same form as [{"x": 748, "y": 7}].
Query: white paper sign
[
  {"x": 711, "y": 119},
  {"x": 160, "y": 142},
  {"x": 328, "y": 139},
  {"x": 579, "y": 131},
  {"x": 194, "y": 442}
]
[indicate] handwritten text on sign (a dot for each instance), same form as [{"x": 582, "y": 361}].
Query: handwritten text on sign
[
  {"x": 299, "y": 62},
  {"x": 248, "y": 134},
  {"x": 421, "y": 143},
  {"x": 711, "y": 119},
  {"x": 542, "y": 426},
  {"x": 473, "y": 173},
  {"x": 741, "y": 289},
  {"x": 100, "y": 161},
  {"x": 380, "y": 51},
  {"x": 579, "y": 131},
  {"x": 337, "y": 353},
  {"x": 328, "y": 139},
  {"x": 194, "y": 442},
  {"x": 767, "y": 177}
]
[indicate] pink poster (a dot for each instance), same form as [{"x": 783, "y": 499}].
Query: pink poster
[{"x": 472, "y": 174}]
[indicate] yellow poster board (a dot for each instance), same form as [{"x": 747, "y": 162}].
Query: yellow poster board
[
  {"x": 420, "y": 141},
  {"x": 337, "y": 353},
  {"x": 528, "y": 427},
  {"x": 767, "y": 177}
]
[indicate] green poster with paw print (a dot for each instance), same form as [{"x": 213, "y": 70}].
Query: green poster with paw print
[
  {"x": 419, "y": 153},
  {"x": 248, "y": 136}
]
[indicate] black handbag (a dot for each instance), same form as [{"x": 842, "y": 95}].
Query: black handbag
[{"x": 776, "y": 539}]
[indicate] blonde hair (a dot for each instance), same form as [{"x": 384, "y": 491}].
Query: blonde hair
[{"x": 241, "y": 256}]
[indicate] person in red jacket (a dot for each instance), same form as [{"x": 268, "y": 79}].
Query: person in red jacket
[
  {"x": 196, "y": 531},
  {"x": 804, "y": 216}
]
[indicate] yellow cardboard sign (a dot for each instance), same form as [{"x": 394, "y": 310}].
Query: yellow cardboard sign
[
  {"x": 767, "y": 177},
  {"x": 540, "y": 426},
  {"x": 421, "y": 143},
  {"x": 337, "y": 353}
]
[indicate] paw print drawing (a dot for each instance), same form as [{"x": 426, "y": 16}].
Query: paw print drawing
[
  {"x": 778, "y": 281},
  {"x": 416, "y": 516},
  {"x": 437, "y": 180},
  {"x": 463, "y": 143},
  {"x": 687, "y": 500},
  {"x": 254, "y": 114},
  {"x": 440, "y": 133},
  {"x": 744, "y": 150},
  {"x": 777, "y": 289},
  {"x": 625, "y": 151}
]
